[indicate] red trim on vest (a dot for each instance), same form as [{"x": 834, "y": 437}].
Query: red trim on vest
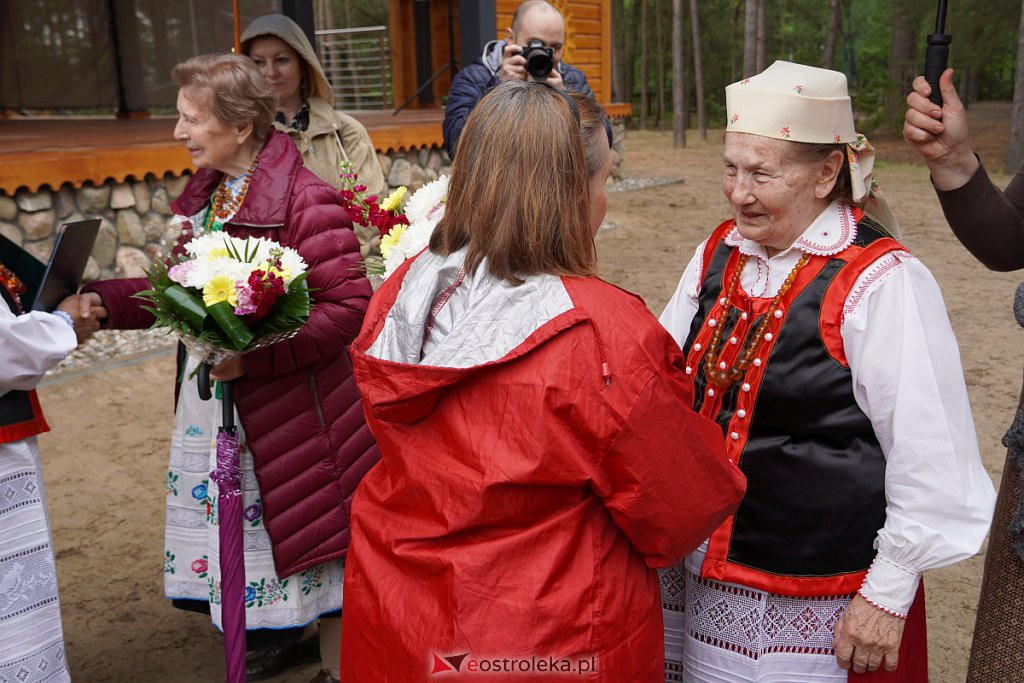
[
  {"x": 778, "y": 584},
  {"x": 718, "y": 235},
  {"x": 830, "y": 318},
  {"x": 23, "y": 430}
]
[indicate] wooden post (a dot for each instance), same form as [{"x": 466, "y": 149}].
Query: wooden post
[
  {"x": 238, "y": 29},
  {"x": 477, "y": 19}
]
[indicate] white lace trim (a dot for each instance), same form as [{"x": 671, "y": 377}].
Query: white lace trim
[
  {"x": 698, "y": 280},
  {"x": 831, "y": 232},
  {"x": 875, "y": 274},
  {"x": 754, "y": 624},
  {"x": 45, "y": 664}
]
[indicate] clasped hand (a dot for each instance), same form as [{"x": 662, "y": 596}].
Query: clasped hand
[
  {"x": 867, "y": 637},
  {"x": 87, "y": 313}
]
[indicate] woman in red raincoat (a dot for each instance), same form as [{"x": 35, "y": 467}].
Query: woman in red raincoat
[{"x": 539, "y": 458}]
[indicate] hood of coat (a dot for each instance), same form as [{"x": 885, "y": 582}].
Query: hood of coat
[
  {"x": 482, "y": 324},
  {"x": 282, "y": 27},
  {"x": 266, "y": 200}
]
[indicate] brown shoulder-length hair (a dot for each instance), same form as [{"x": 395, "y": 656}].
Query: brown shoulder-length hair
[
  {"x": 233, "y": 89},
  {"x": 592, "y": 128},
  {"x": 519, "y": 192}
]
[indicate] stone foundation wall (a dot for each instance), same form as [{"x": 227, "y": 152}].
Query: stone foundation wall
[
  {"x": 135, "y": 215},
  {"x": 414, "y": 168},
  {"x": 135, "y": 221}
]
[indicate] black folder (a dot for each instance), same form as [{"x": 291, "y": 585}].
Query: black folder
[{"x": 46, "y": 285}]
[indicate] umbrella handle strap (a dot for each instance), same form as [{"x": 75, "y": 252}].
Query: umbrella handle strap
[{"x": 203, "y": 381}]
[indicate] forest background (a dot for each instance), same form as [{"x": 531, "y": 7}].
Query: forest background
[{"x": 673, "y": 58}]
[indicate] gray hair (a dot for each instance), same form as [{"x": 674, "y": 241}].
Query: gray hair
[{"x": 237, "y": 93}]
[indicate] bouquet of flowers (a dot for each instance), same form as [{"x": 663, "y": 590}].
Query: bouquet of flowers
[
  {"x": 368, "y": 210},
  {"x": 423, "y": 212},
  {"x": 227, "y": 295}
]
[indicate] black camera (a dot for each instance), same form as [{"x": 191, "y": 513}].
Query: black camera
[{"x": 539, "y": 59}]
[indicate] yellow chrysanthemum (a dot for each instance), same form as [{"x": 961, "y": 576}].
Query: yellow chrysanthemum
[
  {"x": 391, "y": 239},
  {"x": 394, "y": 199},
  {"x": 220, "y": 288},
  {"x": 283, "y": 272}
]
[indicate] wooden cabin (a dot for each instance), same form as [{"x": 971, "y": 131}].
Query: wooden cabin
[
  {"x": 126, "y": 168},
  {"x": 588, "y": 43}
]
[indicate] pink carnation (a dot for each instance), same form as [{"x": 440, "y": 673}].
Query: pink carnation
[
  {"x": 179, "y": 273},
  {"x": 245, "y": 303}
]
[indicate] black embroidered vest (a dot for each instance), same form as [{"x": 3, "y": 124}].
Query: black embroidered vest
[{"x": 815, "y": 472}]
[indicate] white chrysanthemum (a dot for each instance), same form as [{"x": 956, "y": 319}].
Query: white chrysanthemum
[
  {"x": 212, "y": 255},
  {"x": 293, "y": 264},
  {"x": 393, "y": 261},
  {"x": 417, "y": 237},
  {"x": 424, "y": 211},
  {"x": 425, "y": 200}
]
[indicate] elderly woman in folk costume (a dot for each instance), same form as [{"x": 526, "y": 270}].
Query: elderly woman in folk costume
[
  {"x": 31, "y": 639},
  {"x": 822, "y": 349},
  {"x": 306, "y": 445}
]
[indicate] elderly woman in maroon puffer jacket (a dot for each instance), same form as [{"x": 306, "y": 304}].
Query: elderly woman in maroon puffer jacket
[{"x": 299, "y": 408}]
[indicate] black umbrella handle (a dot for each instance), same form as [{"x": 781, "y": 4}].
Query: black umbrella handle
[
  {"x": 936, "y": 58},
  {"x": 227, "y": 404},
  {"x": 203, "y": 381},
  {"x": 227, "y": 396}
]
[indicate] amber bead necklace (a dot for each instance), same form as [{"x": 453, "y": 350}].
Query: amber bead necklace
[
  {"x": 722, "y": 376},
  {"x": 226, "y": 203}
]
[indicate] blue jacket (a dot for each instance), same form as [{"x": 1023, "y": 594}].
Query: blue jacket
[{"x": 474, "y": 81}]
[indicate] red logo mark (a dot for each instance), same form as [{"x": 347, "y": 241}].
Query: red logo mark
[{"x": 450, "y": 663}]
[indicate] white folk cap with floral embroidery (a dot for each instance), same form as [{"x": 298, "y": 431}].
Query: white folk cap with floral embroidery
[{"x": 801, "y": 103}]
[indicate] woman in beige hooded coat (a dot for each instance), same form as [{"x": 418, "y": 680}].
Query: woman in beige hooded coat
[{"x": 305, "y": 110}]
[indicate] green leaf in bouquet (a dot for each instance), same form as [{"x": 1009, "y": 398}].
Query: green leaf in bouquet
[
  {"x": 186, "y": 304},
  {"x": 234, "y": 329},
  {"x": 232, "y": 249}
]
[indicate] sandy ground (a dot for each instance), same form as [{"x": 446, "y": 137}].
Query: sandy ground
[{"x": 106, "y": 456}]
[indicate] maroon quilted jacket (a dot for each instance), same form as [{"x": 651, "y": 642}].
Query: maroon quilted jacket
[{"x": 299, "y": 405}]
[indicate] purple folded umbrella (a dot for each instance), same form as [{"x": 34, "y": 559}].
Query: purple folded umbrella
[{"x": 228, "y": 476}]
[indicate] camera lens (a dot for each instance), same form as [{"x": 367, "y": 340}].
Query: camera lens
[
  {"x": 539, "y": 65},
  {"x": 539, "y": 59}
]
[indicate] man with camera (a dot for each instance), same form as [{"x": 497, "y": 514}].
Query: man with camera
[{"x": 532, "y": 50}]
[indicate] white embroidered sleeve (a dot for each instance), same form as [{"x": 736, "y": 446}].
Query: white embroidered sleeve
[
  {"x": 908, "y": 380},
  {"x": 681, "y": 308},
  {"x": 30, "y": 345}
]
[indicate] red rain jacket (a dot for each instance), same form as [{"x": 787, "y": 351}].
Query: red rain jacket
[
  {"x": 298, "y": 402},
  {"x": 521, "y": 506}
]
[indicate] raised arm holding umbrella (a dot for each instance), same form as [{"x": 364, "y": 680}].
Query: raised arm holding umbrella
[{"x": 989, "y": 222}]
